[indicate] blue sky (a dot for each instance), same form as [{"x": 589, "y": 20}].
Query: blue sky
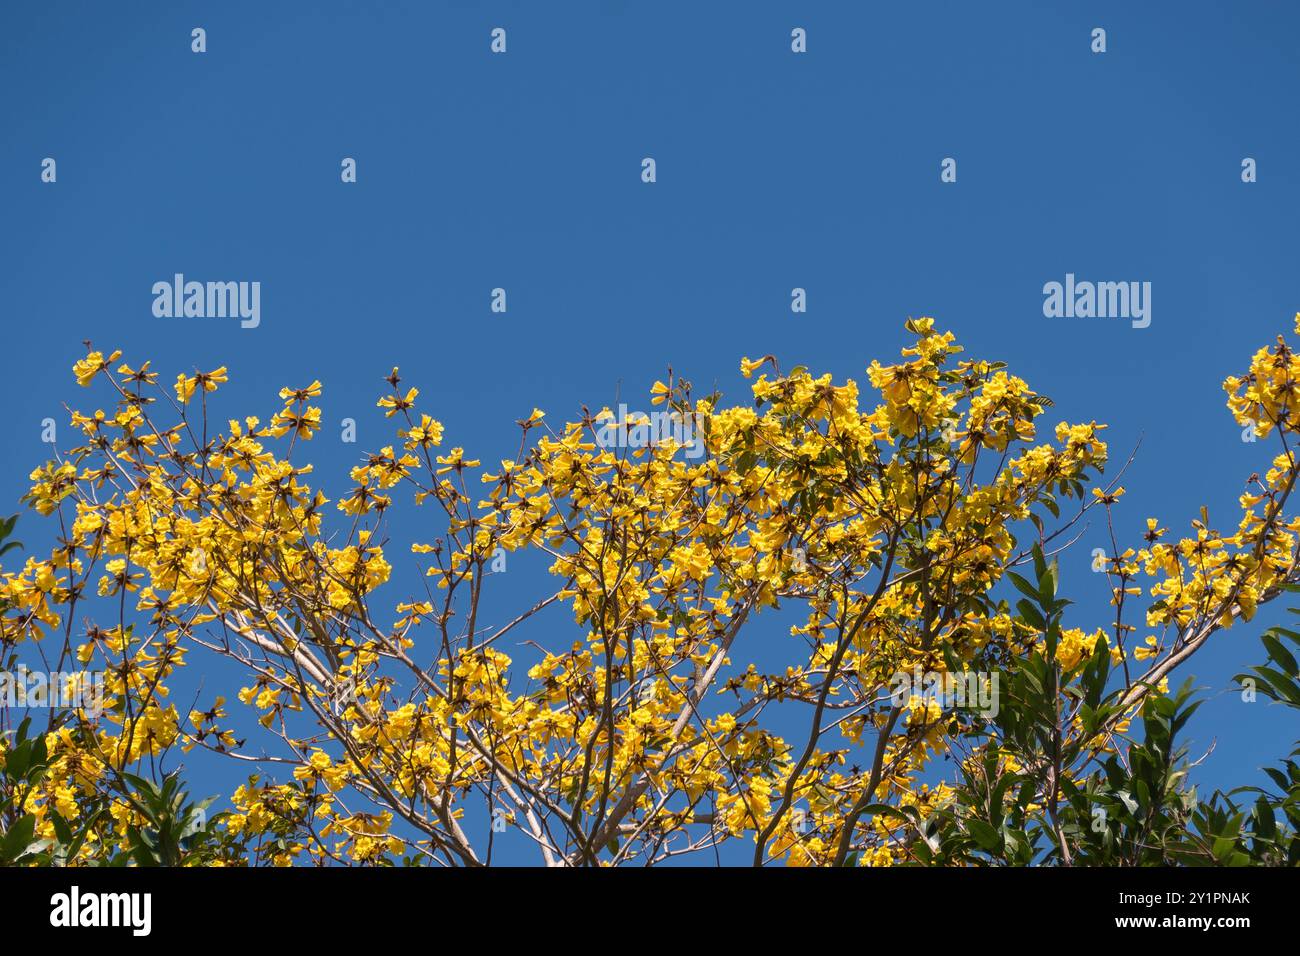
[{"x": 774, "y": 170}]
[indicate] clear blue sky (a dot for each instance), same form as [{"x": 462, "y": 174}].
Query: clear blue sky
[{"x": 775, "y": 170}]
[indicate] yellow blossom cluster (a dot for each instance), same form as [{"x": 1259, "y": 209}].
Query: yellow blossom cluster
[{"x": 643, "y": 726}]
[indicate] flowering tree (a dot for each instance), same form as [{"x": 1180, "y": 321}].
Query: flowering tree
[{"x": 911, "y": 535}]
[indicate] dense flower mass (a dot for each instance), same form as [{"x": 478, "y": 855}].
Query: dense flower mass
[{"x": 398, "y": 728}]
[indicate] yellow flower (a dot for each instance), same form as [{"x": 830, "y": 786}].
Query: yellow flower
[{"x": 87, "y": 368}]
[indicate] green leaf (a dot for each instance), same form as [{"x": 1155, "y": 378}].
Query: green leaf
[
  {"x": 1265, "y": 821},
  {"x": 1024, "y": 587},
  {"x": 1279, "y": 653},
  {"x": 18, "y": 839},
  {"x": 61, "y": 828},
  {"x": 986, "y": 836},
  {"x": 1030, "y": 614}
]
